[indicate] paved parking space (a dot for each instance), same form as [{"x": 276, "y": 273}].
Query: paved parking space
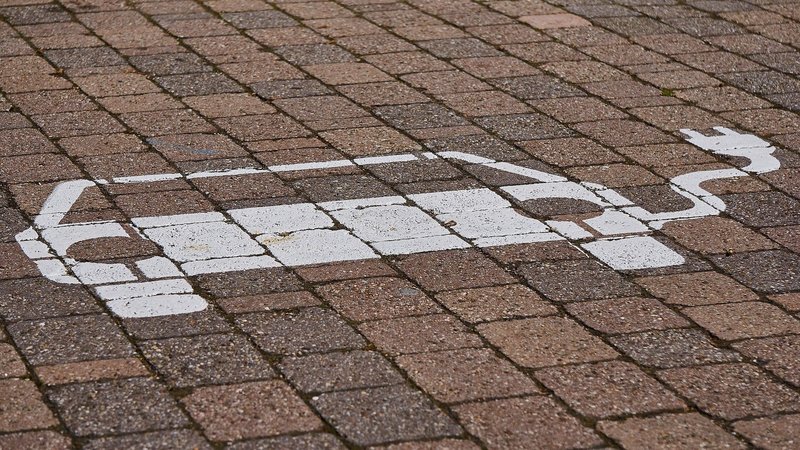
[{"x": 449, "y": 224}]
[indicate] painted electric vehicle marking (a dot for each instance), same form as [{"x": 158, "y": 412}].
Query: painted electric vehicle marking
[{"x": 307, "y": 233}]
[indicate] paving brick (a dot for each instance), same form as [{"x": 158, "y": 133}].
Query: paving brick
[
  {"x": 419, "y": 334},
  {"x": 732, "y": 391},
  {"x": 377, "y": 298},
  {"x": 228, "y": 105},
  {"x": 510, "y": 423},
  {"x": 734, "y": 321},
  {"x": 716, "y": 235},
  {"x": 79, "y": 372},
  {"x": 454, "y": 269},
  {"x": 110, "y": 407},
  {"x": 249, "y": 410},
  {"x": 379, "y": 415},
  {"x": 347, "y": 270},
  {"x": 340, "y": 371},
  {"x": 369, "y": 141},
  {"x": 555, "y": 279},
  {"x": 556, "y": 340},
  {"x": 669, "y": 431},
  {"x": 773, "y": 268},
  {"x": 495, "y": 303},
  {"x": 208, "y": 321},
  {"x": 608, "y": 389},
  {"x": 309, "y": 330},
  {"x": 39, "y": 298},
  {"x": 777, "y": 432},
  {"x": 407, "y": 62},
  {"x": 70, "y": 339},
  {"x": 179, "y": 121},
  {"x": 466, "y": 374},
  {"x": 207, "y": 359},
  {"x": 322, "y": 441},
  {"x": 695, "y": 289},
  {"x": 23, "y": 407},
  {"x": 626, "y": 315},
  {"x": 11, "y": 363},
  {"x": 36, "y": 439},
  {"x": 777, "y": 354},
  {"x": 155, "y": 439}
]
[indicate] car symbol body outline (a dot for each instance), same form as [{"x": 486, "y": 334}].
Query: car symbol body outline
[{"x": 353, "y": 229}]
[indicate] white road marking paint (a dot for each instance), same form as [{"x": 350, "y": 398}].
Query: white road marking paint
[{"x": 307, "y": 233}]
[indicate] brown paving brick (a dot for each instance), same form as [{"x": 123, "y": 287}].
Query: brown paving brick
[
  {"x": 743, "y": 320},
  {"x": 179, "y": 121},
  {"x": 444, "y": 444},
  {"x": 309, "y": 330},
  {"x": 156, "y": 439},
  {"x": 777, "y": 270},
  {"x": 669, "y": 431},
  {"x": 267, "y": 302},
  {"x": 385, "y": 414},
  {"x": 208, "y": 321},
  {"x": 677, "y": 117},
  {"x": 544, "y": 52},
  {"x": 573, "y": 280},
  {"x": 289, "y": 89},
  {"x": 732, "y": 391},
  {"x": 513, "y": 424},
  {"x": 53, "y": 101},
  {"x": 715, "y": 235},
  {"x": 422, "y": 115},
  {"x": 346, "y": 270},
  {"x": 176, "y": 202},
  {"x": 545, "y": 341},
  {"x": 23, "y": 407},
  {"x": 447, "y": 82},
  {"x": 347, "y": 73},
  {"x": 77, "y": 123},
  {"x": 369, "y": 141},
  {"x": 259, "y": 186},
  {"x": 100, "y": 408},
  {"x": 721, "y": 98},
  {"x": 249, "y": 410},
  {"x": 24, "y": 141},
  {"x": 322, "y": 441},
  {"x": 763, "y": 209},
  {"x": 567, "y": 152},
  {"x": 608, "y": 389},
  {"x": 49, "y": 440},
  {"x": 615, "y": 175},
  {"x": 694, "y": 289},
  {"x": 495, "y": 303},
  {"x": 377, "y": 298},
  {"x": 11, "y": 364},
  {"x": 343, "y": 187},
  {"x": 139, "y": 103},
  {"x": 623, "y": 133},
  {"x": 577, "y": 109},
  {"x": 773, "y": 433},
  {"x": 419, "y": 334},
  {"x": 407, "y": 62},
  {"x": 196, "y": 146},
  {"x": 249, "y": 282},
  {"x": 672, "y": 348},
  {"x": 204, "y": 83},
  {"x": 320, "y": 108},
  {"x": 207, "y": 359},
  {"x": 96, "y": 370},
  {"x": 466, "y": 374},
  {"x": 38, "y": 298},
  {"x": 102, "y": 144},
  {"x": 118, "y": 84},
  {"x": 626, "y": 315},
  {"x": 340, "y": 371},
  {"x": 140, "y": 163},
  {"x": 453, "y": 269},
  {"x": 387, "y": 93},
  {"x": 485, "y": 103},
  {"x": 495, "y": 67},
  {"x": 15, "y": 263},
  {"x": 69, "y": 339},
  {"x": 779, "y": 355}
]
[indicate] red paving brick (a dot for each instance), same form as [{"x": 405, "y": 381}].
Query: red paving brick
[{"x": 335, "y": 232}]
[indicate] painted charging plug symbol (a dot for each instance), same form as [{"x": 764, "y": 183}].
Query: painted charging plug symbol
[{"x": 365, "y": 228}]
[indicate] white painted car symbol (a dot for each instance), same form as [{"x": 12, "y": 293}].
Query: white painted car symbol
[{"x": 364, "y": 228}]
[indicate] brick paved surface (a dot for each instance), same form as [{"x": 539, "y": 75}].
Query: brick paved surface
[{"x": 343, "y": 317}]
